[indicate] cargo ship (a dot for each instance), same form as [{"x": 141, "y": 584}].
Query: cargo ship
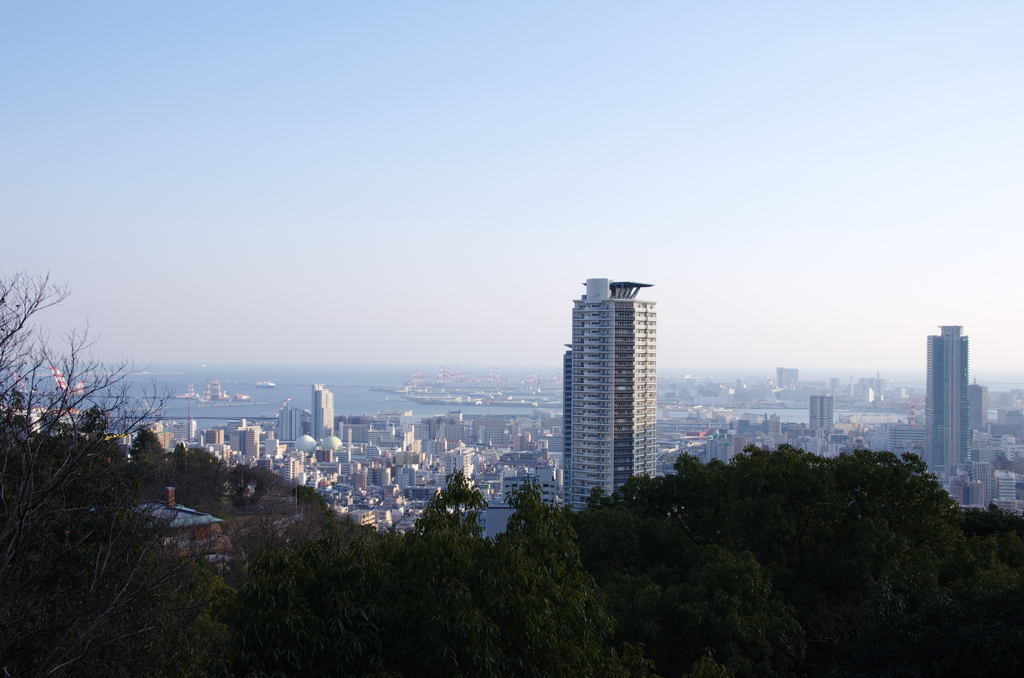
[{"x": 265, "y": 384}]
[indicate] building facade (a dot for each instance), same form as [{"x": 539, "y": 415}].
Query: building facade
[
  {"x": 610, "y": 396},
  {"x": 289, "y": 423},
  {"x": 820, "y": 412},
  {"x": 948, "y": 404},
  {"x": 249, "y": 441},
  {"x": 979, "y": 407},
  {"x": 786, "y": 377},
  {"x": 323, "y": 412},
  {"x": 548, "y": 478},
  {"x": 902, "y": 438}
]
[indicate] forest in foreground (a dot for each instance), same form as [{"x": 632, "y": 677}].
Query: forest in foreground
[{"x": 780, "y": 563}]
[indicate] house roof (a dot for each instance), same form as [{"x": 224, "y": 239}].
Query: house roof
[{"x": 178, "y": 515}]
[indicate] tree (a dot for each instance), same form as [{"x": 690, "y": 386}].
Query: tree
[
  {"x": 146, "y": 445},
  {"x": 707, "y": 667},
  {"x": 249, "y": 485},
  {"x": 994, "y": 521},
  {"x": 677, "y": 598},
  {"x": 786, "y": 561},
  {"x": 440, "y": 600},
  {"x": 200, "y": 480},
  {"x": 307, "y": 496},
  {"x": 82, "y": 590}
]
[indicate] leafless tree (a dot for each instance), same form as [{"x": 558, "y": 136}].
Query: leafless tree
[{"x": 82, "y": 590}]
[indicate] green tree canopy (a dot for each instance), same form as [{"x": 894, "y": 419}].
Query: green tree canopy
[
  {"x": 786, "y": 561},
  {"x": 145, "y": 445},
  {"x": 440, "y": 600}
]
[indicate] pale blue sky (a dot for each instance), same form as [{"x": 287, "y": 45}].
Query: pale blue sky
[{"x": 806, "y": 184}]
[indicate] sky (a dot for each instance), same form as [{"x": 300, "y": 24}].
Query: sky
[{"x": 806, "y": 184}]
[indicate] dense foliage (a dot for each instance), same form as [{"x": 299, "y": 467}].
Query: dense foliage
[
  {"x": 787, "y": 562},
  {"x": 438, "y": 601},
  {"x": 85, "y": 588}
]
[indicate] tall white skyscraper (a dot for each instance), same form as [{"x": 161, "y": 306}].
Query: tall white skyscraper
[
  {"x": 948, "y": 402},
  {"x": 323, "y": 412},
  {"x": 611, "y": 390}
]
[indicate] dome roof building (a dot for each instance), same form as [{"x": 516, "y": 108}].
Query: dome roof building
[
  {"x": 332, "y": 443},
  {"x": 305, "y": 444}
]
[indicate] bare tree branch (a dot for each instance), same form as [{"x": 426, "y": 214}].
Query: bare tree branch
[{"x": 84, "y": 588}]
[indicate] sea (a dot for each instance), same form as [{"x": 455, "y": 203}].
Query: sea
[
  {"x": 351, "y": 386},
  {"x": 788, "y": 415}
]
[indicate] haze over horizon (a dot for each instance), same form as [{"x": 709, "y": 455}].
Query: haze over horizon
[
  {"x": 398, "y": 183},
  {"x": 396, "y": 373}
]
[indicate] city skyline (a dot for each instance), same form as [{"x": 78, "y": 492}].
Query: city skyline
[
  {"x": 397, "y": 372},
  {"x": 448, "y": 450},
  {"x": 796, "y": 179}
]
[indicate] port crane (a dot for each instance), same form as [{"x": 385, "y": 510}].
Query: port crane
[{"x": 62, "y": 383}]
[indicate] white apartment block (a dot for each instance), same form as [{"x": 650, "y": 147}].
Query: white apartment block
[
  {"x": 610, "y": 389},
  {"x": 459, "y": 459},
  {"x": 549, "y": 479}
]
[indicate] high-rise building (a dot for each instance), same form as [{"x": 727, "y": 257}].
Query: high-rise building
[
  {"x": 289, "y": 424},
  {"x": 984, "y": 473},
  {"x": 610, "y": 390},
  {"x": 249, "y": 440},
  {"x": 948, "y": 404},
  {"x": 786, "y": 377},
  {"x": 1010, "y": 417},
  {"x": 901, "y": 439},
  {"x": 820, "y": 412},
  {"x": 323, "y": 412},
  {"x": 567, "y": 424},
  {"x": 979, "y": 407},
  {"x": 354, "y": 433},
  {"x": 1005, "y": 486},
  {"x": 868, "y": 386}
]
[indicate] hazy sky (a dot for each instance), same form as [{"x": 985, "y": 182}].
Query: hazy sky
[{"x": 806, "y": 184}]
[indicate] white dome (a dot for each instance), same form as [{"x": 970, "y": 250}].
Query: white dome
[
  {"x": 305, "y": 444},
  {"x": 332, "y": 443}
]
